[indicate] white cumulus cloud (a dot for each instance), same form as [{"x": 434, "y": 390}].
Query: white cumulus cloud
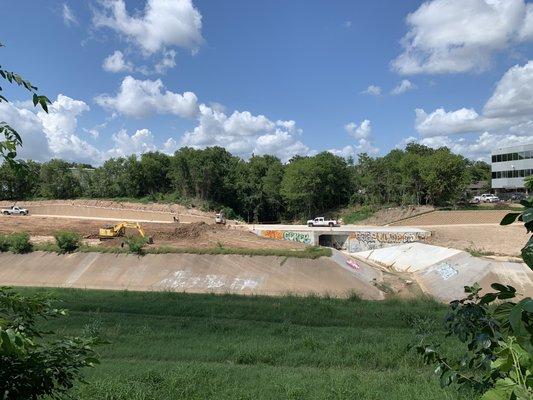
[
  {"x": 162, "y": 23},
  {"x": 140, "y": 98},
  {"x": 404, "y": 86},
  {"x": 141, "y": 141},
  {"x": 116, "y": 63},
  {"x": 450, "y": 36},
  {"x": 243, "y": 134},
  {"x": 372, "y": 90},
  {"x": 362, "y": 133},
  {"x": 52, "y": 134},
  {"x": 509, "y": 109}
]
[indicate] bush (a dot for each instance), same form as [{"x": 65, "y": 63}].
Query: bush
[
  {"x": 19, "y": 242},
  {"x": 4, "y": 243},
  {"x": 67, "y": 241},
  {"x": 135, "y": 244}
]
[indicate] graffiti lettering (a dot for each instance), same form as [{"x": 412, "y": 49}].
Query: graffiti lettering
[
  {"x": 183, "y": 279},
  {"x": 273, "y": 234},
  {"x": 446, "y": 271},
  {"x": 385, "y": 237},
  {"x": 297, "y": 237}
]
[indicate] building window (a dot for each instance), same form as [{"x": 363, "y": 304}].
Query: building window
[{"x": 522, "y": 155}]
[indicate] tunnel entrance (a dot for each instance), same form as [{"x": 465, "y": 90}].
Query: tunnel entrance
[{"x": 338, "y": 242}]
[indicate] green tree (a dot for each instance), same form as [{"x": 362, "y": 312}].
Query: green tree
[
  {"x": 313, "y": 185},
  {"x": 19, "y": 181},
  {"x": 154, "y": 169},
  {"x": 445, "y": 177},
  {"x": 58, "y": 181}
]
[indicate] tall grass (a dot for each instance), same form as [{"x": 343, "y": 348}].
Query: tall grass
[
  {"x": 311, "y": 252},
  {"x": 184, "y": 346}
]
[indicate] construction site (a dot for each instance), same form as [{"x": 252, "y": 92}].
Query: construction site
[{"x": 435, "y": 253}]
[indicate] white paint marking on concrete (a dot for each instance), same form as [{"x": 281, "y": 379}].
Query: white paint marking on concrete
[
  {"x": 89, "y": 259},
  {"x": 446, "y": 271}
]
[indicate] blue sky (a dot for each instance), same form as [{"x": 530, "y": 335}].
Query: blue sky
[{"x": 281, "y": 77}]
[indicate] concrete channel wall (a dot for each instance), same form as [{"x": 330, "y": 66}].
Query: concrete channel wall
[
  {"x": 443, "y": 272},
  {"x": 186, "y": 273},
  {"x": 349, "y": 238}
]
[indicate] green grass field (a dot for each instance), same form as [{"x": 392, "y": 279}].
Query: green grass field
[{"x": 179, "y": 346}]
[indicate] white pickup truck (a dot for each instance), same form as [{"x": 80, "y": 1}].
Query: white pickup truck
[
  {"x": 486, "y": 198},
  {"x": 320, "y": 221},
  {"x": 14, "y": 210}
]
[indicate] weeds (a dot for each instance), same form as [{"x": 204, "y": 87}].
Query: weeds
[
  {"x": 67, "y": 242},
  {"x": 16, "y": 242},
  {"x": 479, "y": 252},
  {"x": 311, "y": 252}
]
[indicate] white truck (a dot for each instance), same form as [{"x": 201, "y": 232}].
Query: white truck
[
  {"x": 486, "y": 198},
  {"x": 321, "y": 221},
  {"x": 14, "y": 210}
]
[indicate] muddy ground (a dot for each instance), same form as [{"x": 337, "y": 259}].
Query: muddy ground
[{"x": 198, "y": 234}]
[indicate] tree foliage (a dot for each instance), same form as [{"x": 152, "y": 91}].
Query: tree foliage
[
  {"x": 35, "y": 363},
  {"x": 497, "y": 332},
  {"x": 12, "y": 139},
  {"x": 261, "y": 188}
]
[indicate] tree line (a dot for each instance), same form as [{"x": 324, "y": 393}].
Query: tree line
[{"x": 261, "y": 188}]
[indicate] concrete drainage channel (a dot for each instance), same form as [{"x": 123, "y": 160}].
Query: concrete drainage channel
[{"x": 443, "y": 272}]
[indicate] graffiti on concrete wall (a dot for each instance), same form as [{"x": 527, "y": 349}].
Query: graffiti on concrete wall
[
  {"x": 446, "y": 271},
  {"x": 273, "y": 234},
  {"x": 300, "y": 237},
  {"x": 369, "y": 240},
  {"x": 184, "y": 279}
]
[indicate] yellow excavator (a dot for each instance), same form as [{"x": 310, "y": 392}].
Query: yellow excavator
[{"x": 110, "y": 231}]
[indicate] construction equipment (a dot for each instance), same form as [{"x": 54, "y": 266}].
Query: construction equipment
[
  {"x": 220, "y": 219},
  {"x": 110, "y": 231}
]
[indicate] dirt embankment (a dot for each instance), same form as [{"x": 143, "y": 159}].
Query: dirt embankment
[
  {"x": 196, "y": 234},
  {"x": 101, "y": 209},
  {"x": 389, "y": 215},
  {"x": 455, "y": 218}
]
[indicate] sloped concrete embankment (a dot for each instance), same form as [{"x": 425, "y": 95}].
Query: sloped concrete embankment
[
  {"x": 443, "y": 272},
  {"x": 184, "y": 273}
]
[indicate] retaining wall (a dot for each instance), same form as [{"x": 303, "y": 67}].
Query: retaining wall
[{"x": 352, "y": 239}]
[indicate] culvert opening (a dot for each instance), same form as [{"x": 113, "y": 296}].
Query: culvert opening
[{"x": 338, "y": 242}]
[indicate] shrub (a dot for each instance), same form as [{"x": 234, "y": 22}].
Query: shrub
[
  {"x": 4, "y": 243},
  {"x": 19, "y": 242},
  {"x": 67, "y": 241},
  {"x": 135, "y": 244}
]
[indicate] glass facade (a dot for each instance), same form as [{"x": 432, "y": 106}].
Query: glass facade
[
  {"x": 520, "y": 155},
  {"x": 516, "y": 173}
]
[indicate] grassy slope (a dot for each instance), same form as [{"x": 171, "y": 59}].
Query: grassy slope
[{"x": 178, "y": 346}]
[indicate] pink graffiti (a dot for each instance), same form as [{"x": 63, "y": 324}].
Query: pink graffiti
[{"x": 352, "y": 264}]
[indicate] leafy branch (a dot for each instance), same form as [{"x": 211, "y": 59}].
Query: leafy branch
[{"x": 8, "y": 147}]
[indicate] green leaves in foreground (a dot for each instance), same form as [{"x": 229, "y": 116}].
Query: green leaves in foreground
[
  {"x": 497, "y": 361},
  {"x": 34, "y": 366},
  {"x": 526, "y": 217},
  {"x": 8, "y": 147}
]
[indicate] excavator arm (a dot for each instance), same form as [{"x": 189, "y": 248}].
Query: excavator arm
[{"x": 120, "y": 229}]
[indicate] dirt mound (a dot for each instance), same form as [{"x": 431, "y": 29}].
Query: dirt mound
[{"x": 190, "y": 231}]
